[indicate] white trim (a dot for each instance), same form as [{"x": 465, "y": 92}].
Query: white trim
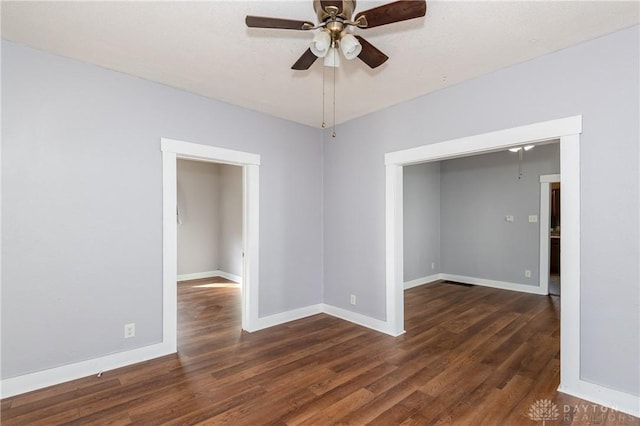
[
  {"x": 545, "y": 223},
  {"x": 169, "y": 251},
  {"x": 492, "y": 141},
  {"x": 421, "y": 281},
  {"x": 171, "y": 151},
  {"x": 394, "y": 249},
  {"x": 210, "y": 274},
  {"x": 503, "y": 285},
  {"x": 231, "y": 277},
  {"x": 570, "y": 263},
  {"x": 568, "y": 131},
  {"x": 363, "y": 320},
  {"x": 208, "y": 153},
  {"x": 53, "y": 376},
  {"x": 197, "y": 276},
  {"x": 284, "y": 317},
  {"x": 251, "y": 244},
  {"x": 619, "y": 401},
  {"x": 550, "y": 178}
]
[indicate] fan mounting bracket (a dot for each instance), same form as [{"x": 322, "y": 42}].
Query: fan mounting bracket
[{"x": 332, "y": 9}]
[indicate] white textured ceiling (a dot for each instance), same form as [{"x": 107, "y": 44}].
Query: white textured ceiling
[{"x": 205, "y": 48}]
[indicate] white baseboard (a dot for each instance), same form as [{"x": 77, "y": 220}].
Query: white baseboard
[
  {"x": 421, "y": 281},
  {"x": 210, "y": 274},
  {"x": 618, "y": 401},
  {"x": 231, "y": 277},
  {"x": 197, "y": 275},
  {"x": 41, "y": 379},
  {"x": 503, "y": 285},
  {"x": 284, "y": 317},
  {"x": 38, "y": 380},
  {"x": 360, "y": 319},
  {"x": 53, "y": 376}
]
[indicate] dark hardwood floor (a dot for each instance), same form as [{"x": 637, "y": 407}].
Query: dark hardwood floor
[{"x": 470, "y": 356}]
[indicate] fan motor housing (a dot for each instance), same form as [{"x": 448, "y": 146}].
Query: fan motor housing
[{"x": 345, "y": 8}]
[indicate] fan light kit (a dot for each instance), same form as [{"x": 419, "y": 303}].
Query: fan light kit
[
  {"x": 334, "y": 23},
  {"x": 520, "y": 150}
]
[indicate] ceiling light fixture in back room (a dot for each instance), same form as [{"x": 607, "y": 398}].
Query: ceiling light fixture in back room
[
  {"x": 334, "y": 36},
  {"x": 520, "y": 150}
]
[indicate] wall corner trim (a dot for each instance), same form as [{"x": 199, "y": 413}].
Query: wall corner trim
[
  {"x": 421, "y": 281},
  {"x": 261, "y": 323},
  {"x": 360, "y": 319}
]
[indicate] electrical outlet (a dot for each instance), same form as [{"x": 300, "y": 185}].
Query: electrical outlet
[
  {"x": 533, "y": 218},
  {"x": 129, "y": 330},
  {"x": 353, "y": 299},
  {"x": 508, "y": 218},
  {"x": 527, "y": 273},
  {"x": 433, "y": 265}
]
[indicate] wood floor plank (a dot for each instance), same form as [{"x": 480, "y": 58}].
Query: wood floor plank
[{"x": 470, "y": 355}]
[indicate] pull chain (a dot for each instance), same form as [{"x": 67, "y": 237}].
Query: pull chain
[
  {"x": 324, "y": 125},
  {"x": 334, "y": 95}
]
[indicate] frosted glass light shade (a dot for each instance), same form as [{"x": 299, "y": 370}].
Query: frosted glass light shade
[
  {"x": 321, "y": 44},
  {"x": 526, "y": 148},
  {"x": 332, "y": 59},
  {"x": 350, "y": 46}
]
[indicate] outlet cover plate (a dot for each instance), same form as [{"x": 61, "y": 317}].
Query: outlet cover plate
[{"x": 129, "y": 330}]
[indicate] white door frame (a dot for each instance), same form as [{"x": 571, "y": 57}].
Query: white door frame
[
  {"x": 545, "y": 223},
  {"x": 171, "y": 151},
  {"x": 567, "y": 130}
]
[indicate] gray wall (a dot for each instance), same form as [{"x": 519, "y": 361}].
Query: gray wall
[
  {"x": 230, "y": 249},
  {"x": 210, "y": 228},
  {"x": 421, "y": 187},
  {"x": 82, "y": 205},
  {"x": 598, "y": 80},
  {"x": 477, "y": 193},
  {"x": 198, "y": 192}
]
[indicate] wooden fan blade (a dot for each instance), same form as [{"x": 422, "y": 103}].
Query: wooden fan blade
[
  {"x": 305, "y": 61},
  {"x": 393, "y": 12},
  {"x": 370, "y": 55},
  {"x": 283, "y": 24}
]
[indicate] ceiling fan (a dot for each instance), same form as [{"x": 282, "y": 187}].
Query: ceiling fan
[{"x": 334, "y": 20}]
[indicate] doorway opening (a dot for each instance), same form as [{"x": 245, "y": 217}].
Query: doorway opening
[
  {"x": 568, "y": 131},
  {"x": 474, "y": 219},
  {"x": 554, "y": 256},
  {"x": 550, "y": 234},
  {"x": 172, "y": 150},
  {"x": 209, "y": 218}
]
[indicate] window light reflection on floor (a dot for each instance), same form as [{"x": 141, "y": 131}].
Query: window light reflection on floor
[{"x": 217, "y": 285}]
